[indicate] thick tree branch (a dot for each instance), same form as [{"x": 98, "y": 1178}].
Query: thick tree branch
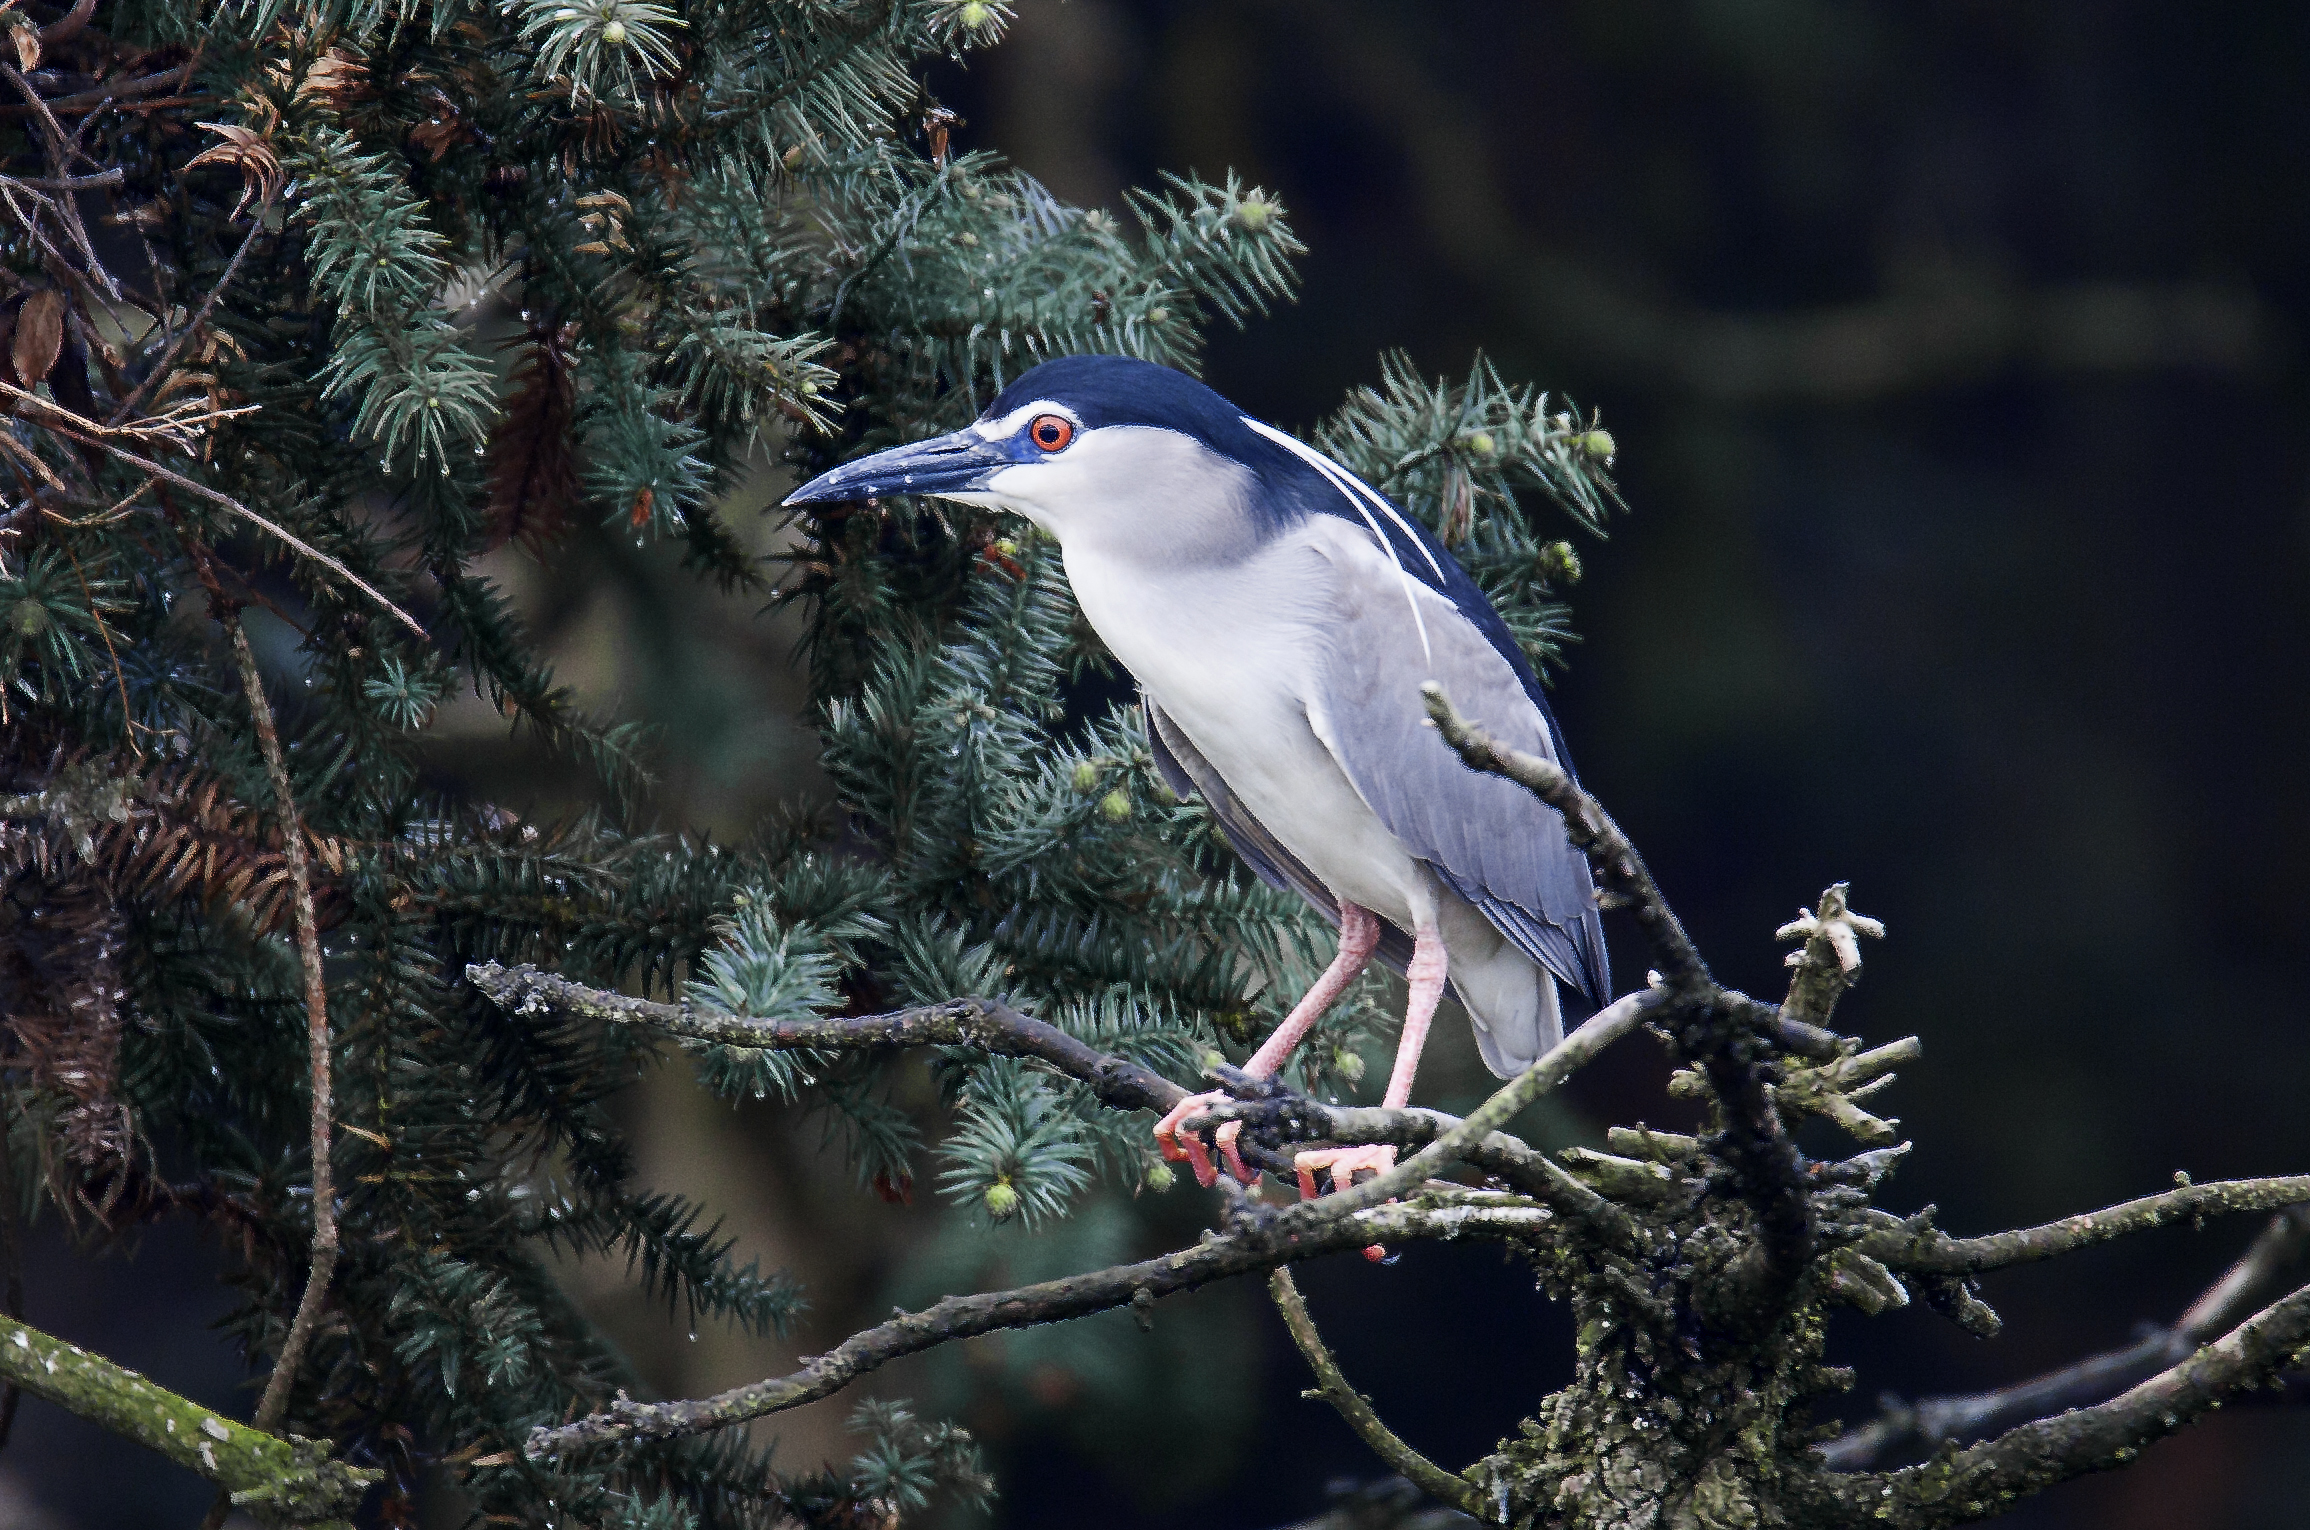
[
  {"x": 1356, "y": 1409},
  {"x": 1932, "y": 1252},
  {"x": 282, "y": 1481},
  {"x": 2279, "y": 1258}
]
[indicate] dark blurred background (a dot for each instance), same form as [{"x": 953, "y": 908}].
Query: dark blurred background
[{"x": 1955, "y": 354}]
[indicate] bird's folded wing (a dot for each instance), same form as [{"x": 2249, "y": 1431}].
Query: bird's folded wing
[
  {"x": 1490, "y": 840},
  {"x": 1187, "y": 773}
]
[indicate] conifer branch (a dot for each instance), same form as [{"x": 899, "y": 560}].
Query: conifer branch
[
  {"x": 282, "y": 1481},
  {"x": 1352, "y": 1406}
]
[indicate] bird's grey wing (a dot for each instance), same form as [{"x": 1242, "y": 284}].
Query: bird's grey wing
[
  {"x": 1185, "y": 770},
  {"x": 1491, "y": 841}
]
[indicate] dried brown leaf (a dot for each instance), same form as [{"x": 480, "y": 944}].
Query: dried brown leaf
[
  {"x": 39, "y": 336},
  {"x": 26, "y": 37}
]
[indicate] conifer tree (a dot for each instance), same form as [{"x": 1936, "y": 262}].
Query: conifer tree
[{"x": 308, "y": 306}]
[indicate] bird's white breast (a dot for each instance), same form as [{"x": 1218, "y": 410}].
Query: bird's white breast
[{"x": 1231, "y": 651}]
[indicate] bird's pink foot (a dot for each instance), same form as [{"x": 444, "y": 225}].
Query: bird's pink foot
[
  {"x": 1187, "y": 1147},
  {"x": 1344, "y": 1164}
]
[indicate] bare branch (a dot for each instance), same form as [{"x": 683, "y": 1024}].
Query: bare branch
[
  {"x": 1505, "y": 1158},
  {"x": 1938, "y": 1253},
  {"x": 324, "y": 1252},
  {"x": 1356, "y": 1409},
  {"x": 2279, "y": 1257},
  {"x": 1987, "y": 1479},
  {"x": 986, "y": 1024},
  {"x": 1714, "y": 1028},
  {"x": 208, "y": 305},
  {"x": 1558, "y": 1063},
  {"x": 1260, "y": 1242}
]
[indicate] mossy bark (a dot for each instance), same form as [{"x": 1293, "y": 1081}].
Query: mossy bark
[{"x": 282, "y": 1481}]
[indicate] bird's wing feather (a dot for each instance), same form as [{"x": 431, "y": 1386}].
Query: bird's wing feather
[
  {"x": 1185, "y": 770},
  {"x": 1490, "y": 840}
]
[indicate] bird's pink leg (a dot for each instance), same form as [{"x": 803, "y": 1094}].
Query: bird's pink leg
[
  {"x": 1359, "y": 937},
  {"x": 1425, "y": 972}
]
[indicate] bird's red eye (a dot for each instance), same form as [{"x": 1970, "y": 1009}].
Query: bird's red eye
[{"x": 1051, "y": 431}]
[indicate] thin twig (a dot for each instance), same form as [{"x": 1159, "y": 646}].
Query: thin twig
[
  {"x": 208, "y": 305},
  {"x": 988, "y": 1025},
  {"x": 324, "y": 1262},
  {"x": 224, "y": 502},
  {"x": 1356, "y": 1409}
]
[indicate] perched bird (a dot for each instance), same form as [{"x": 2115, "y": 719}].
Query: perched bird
[{"x": 1280, "y": 616}]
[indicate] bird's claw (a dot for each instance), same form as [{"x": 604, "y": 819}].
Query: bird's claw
[
  {"x": 1344, "y": 1164},
  {"x": 1187, "y": 1147}
]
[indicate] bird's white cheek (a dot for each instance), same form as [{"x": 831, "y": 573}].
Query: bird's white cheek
[{"x": 1024, "y": 490}]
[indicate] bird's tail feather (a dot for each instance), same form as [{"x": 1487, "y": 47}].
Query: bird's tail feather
[{"x": 1513, "y": 1029}]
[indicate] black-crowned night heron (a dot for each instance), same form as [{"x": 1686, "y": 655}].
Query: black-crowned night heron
[{"x": 1280, "y": 616}]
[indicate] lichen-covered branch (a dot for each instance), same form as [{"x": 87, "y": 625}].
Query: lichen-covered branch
[
  {"x": 1356, "y": 1409},
  {"x": 1929, "y": 1251},
  {"x": 2278, "y": 1259},
  {"x": 1987, "y": 1479},
  {"x": 1296, "y": 1119},
  {"x": 282, "y": 1481}
]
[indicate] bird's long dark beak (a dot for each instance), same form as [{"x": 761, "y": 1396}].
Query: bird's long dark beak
[{"x": 951, "y": 464}]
